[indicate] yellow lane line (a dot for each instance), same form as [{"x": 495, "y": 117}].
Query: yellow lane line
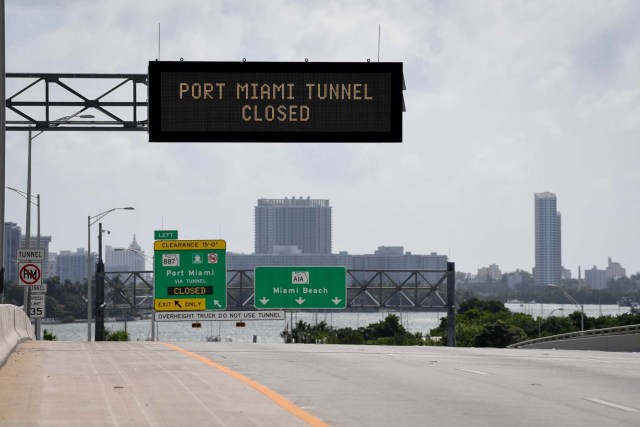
[{"x": 275, "y": 397}]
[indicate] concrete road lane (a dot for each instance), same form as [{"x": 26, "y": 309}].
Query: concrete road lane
[
  {"x": 252, "y": 384},
  {"x": 126, "y": 384},
  {"x": 416, "y": 386}
]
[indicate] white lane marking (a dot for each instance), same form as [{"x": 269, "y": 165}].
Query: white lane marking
[
  {"x": 610, "y": 404},
  {"x": 474, "y": 372}
]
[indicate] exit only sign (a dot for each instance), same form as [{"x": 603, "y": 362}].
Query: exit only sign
[{"x": 300, "y": 287}]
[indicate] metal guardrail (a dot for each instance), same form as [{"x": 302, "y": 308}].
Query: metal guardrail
[{"x": 618, "y": 330}]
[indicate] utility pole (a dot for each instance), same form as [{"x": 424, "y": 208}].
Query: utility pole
[
  {"x": 3, "y": 130},
  {"x": 99, "y": 304},
  {"x": 451, "y": 304}
]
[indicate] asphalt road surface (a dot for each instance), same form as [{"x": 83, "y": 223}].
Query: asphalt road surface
[{"x": 233, "y": 384}]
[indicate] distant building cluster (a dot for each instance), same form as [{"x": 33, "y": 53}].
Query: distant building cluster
[
  {"x": 298, "y": 231},
  {"x": 548, "y": 254},
  {"x": 598, "y": 279},
  {"x": 68, "y": 265}
]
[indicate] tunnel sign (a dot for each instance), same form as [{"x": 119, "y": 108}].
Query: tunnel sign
[
  {"x": 301, "y": 287},
  {"x": 190, "y": 275},
  {"x": 30, "y": 274},
  {"x": 27, "y": 254}
]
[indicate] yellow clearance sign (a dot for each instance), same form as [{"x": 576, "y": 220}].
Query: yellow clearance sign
[
  {"x": 189, "y": 245},
  {"x": 183, "y": 304}
]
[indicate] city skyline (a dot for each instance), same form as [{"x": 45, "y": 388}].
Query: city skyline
[{"x": 502, "y": 99}]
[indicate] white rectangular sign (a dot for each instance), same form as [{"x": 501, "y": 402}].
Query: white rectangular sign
[
  {"x": 37, "y": 308},
  {"x": 39, "y": 289},
  {"x": 33, "y": 254},
  {"x": 198, "y": 316}
]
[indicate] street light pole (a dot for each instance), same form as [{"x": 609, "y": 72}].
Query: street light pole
[
  {"x": 574, "y": 302},
  {"x": 29, "y": 197},
  {"x": 90, "y": 221},
  {"x": 548, "y": 315}
]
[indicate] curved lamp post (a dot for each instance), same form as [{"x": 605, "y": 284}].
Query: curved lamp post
[
  {"x": 548, "y": 315},
  {"x": 90, "y": 221},
  {"x": 573, "y": 301},
  {"x": 28, "y": 195}
]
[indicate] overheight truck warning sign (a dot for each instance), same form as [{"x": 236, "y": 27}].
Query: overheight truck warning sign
[{"x": 190, "y": 275}]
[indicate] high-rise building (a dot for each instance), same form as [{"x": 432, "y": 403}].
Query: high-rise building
[
  {"x": 130, "y": 259},
  {"x": 72, "y": 266},
  {"x": 289, "y": 223},
  {"x": 11, "y": 244},
  {"x": 548, "y": 243}
]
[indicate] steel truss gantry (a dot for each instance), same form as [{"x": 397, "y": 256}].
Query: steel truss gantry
[
  {"x": 407, "y": 290},
  {"x": 367, "y": 290},
  {"x": 56, "y": 102}
]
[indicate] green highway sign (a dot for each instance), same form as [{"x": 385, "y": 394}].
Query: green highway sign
[
  {"x": 190, "y": 275},
  {"x": 165, "y": 234},
  {"x": 300, "y": 287}
]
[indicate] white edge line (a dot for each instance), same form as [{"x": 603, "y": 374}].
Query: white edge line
[
  {"x": 610, "y": 404},
  {"x": 474, "y": 372}
]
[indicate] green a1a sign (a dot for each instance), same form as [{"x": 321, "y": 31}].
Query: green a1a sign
[
  {"x": 300, "y": 287},
  {"x": 190, "y": 275}
]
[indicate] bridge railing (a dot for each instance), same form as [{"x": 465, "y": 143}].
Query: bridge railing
[{"x": 618, "y": 330}]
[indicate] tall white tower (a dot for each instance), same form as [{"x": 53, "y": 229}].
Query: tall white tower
[{"x": 548, "y": 269}]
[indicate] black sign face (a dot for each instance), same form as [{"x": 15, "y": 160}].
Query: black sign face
[{"x": 275, "y": 102}]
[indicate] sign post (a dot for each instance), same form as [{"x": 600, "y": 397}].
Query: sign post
[
  {"x": 190, "y": 275},
  {"x": 301, "y": 287}
]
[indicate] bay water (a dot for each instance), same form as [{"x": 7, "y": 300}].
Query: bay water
[{"x": 268, "y": 331}]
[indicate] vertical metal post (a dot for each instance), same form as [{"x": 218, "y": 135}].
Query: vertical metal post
[
  {"x": 89, "y": 303},
  {"x": 2, "y": 143},
  {"x": 27, "y": 289},
  {"x": 153, "y": 312},
  {"x": 99, "y": 305},
  {"x": 451, "y": 304},
  {"x": 38, "y": 320}
]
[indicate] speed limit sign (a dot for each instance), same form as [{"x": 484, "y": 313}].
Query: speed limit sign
[{"x": 37, "y": 305}]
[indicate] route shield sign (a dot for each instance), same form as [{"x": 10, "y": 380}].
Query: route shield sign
[
  {"x": 190, "y": 275},
  {"x": 301, "y": 287}
]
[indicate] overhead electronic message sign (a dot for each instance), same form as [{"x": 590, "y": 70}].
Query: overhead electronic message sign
[{"x": 275, "y": 102}]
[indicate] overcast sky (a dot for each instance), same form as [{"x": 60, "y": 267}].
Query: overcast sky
[{"x": 504, "y": 99}]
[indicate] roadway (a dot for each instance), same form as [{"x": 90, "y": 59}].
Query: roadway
[{"x": 233, "y": 384}]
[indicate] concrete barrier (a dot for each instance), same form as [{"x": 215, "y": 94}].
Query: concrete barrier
[{"x": 15, "y": 327}]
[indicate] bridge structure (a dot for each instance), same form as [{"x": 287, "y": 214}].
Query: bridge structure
[{"x": 367, "y": 290}]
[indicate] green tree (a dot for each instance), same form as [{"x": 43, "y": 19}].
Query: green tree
[{"x": 499, "y": 334}]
